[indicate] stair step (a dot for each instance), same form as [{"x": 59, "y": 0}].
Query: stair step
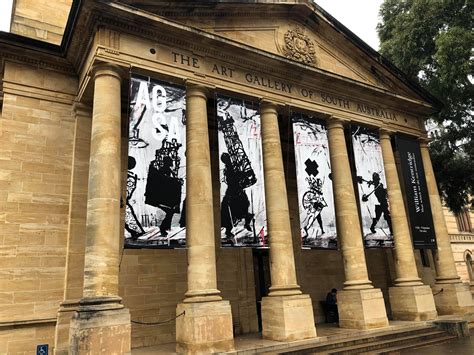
[
  {"x": 361, "y": 339},
  {"x": 380, "y": 344},
  {"x": 397, "y": 349}
]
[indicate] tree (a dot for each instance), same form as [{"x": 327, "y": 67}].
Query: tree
[{"x": 432, "y": 42}]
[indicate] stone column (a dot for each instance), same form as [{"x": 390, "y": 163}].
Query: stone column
[
  {"x": 74, "y": 275},
  {"x": 455, "y": 297},
  {"x": 101, "y": 323},
  {"x": 410, "y": 299},
  {"x": 287, "y": 314},
  {"x": 206, "y": 325},
  {"x": 360, "y": 305}
]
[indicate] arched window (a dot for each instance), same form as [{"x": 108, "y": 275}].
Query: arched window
[
  {"x": 463, "y": 220},
  {"x": 469, "y": 264}
]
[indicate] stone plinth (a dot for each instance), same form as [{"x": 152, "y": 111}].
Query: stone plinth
[
  {"x": 100, "y": 328},
  {"x": 288, "y": 318},
  {"x": 361, "y": 309},
  {"x": 206, "y": 327},
  {"x": 456, "y": 298},
  {"x": 61, "y": 339},
  {"x": 412, "y": 303}
]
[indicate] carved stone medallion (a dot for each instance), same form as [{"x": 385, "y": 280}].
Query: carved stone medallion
[{"x": 299, "y": 46}]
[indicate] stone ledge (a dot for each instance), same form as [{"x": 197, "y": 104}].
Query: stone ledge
[{"x": 27, "y": 322}]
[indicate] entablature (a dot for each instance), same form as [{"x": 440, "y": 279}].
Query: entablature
[{"x": 157, "y": 46}]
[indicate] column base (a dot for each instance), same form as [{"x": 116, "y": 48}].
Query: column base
[
  {"x": 100, "y": 325},
  {"x": 63, "y": 323},
  {"x": 361, "y": 309},
  {"x": 206, "y": 327},
  {"x": 412, "y": 303},
  {"x": 288, "y": 318},
  {"x": 456, "y": 298}
]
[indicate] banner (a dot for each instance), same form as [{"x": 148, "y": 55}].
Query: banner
[
  {"x": 374, "y": 204},
  {"x": 243, "y": 215},
  {"x": 313, "y": 177},
  {"x": 155, "y": 201},
  {"x": 418, "y": 203}
]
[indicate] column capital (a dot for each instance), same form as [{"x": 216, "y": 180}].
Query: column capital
[
  {"x": 386, "y": 133},
  {"x": 198, "y": 89},
  {"x": 107, "y": 69},
  {"x": 270, "y": 107},
  {"x": 423, "y": 141},
  {"x": 336, "y": 122},
  {"x": 81, "y": 109}
]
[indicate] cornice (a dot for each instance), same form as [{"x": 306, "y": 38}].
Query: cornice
[
  {"x": 52, "y": 61},
  {"x": 221, "y": 48}
]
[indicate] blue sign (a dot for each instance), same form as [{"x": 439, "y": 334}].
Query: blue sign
[{"x": 42, "y": 349}]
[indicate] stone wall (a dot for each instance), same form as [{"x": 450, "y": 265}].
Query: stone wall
[
  {"x": 462, "y": 243},
  {"x": 36, "y": 140},
  {"x": 41, "y": 19}
]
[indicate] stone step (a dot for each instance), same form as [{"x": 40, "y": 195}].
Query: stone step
[
  {"x": 360, "y": 343},
  {"x": 339, "y": 341},
  {"x": 406, "y": 341},
  {"x": 397, "y": 349}
]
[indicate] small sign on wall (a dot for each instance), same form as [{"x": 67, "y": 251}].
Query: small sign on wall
[{"x": 42, "y": 349}]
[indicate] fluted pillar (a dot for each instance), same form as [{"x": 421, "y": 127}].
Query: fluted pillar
[
  {"x": 410, "y": 299},
  {"x": 360, "y": 305},
  {"x": 455, "y": 297},
  {"x": 101, "y": 322},
  {"x": 206, "y": 325},
  {"x": 287, "y": 314}
]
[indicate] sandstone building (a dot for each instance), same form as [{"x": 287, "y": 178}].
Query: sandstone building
[{"x": 65, "y": 110}]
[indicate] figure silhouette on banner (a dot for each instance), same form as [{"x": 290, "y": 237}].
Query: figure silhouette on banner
[
  {"x": 132, "y": 225},
  {"x": 313, "y": 200},
  {"x": 235, "y": 203},
  {"x": 380, "y": 193},
  {"x": 163, "y": 188}
]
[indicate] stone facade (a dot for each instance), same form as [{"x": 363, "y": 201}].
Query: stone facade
[
  {"x": 63, "y": 273},
  {"x": 41, "y": 19}
]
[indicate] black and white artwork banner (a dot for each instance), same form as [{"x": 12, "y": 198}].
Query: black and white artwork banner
[
  {"x": 155, "y": 214},
  {"x": 313, "y": 176},
  {"x": 373, "y": 198},
  {"x": 242, "y": 189},
  {"x": 416, "y": 192}
]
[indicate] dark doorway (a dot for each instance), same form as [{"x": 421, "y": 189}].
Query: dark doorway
[{"x": 261, "y": 269}]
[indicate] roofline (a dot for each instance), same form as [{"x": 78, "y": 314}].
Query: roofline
[
  {"x": 16, "y": 40},
  {"x": 61, "y": 50},
  {"x": 379, "y": 58}
]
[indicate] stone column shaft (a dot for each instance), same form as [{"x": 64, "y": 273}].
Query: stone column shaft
[
  {"x": 282, "y": 261},
  {"x": 202, "y": 277},
  {"x": 410, "y": 300},
  {"x": 287, "y": 314},
  {"x": 103, "y": 199},
  {"x": 451, "y": 295},
  {"x": 360, "y": 305},
  {"x": 101, "y": 323},
  {"x": 446, "y": 268},
  {"x": 204, "y": 320},
  {"x": 348, "y": 224},
  {"x": 405, "y": 264}
]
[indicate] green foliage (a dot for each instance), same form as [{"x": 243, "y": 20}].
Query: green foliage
[{"x": 432, "y": 41}]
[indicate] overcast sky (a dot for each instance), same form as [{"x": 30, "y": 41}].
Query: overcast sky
[{"x": 359, "y": 16}]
